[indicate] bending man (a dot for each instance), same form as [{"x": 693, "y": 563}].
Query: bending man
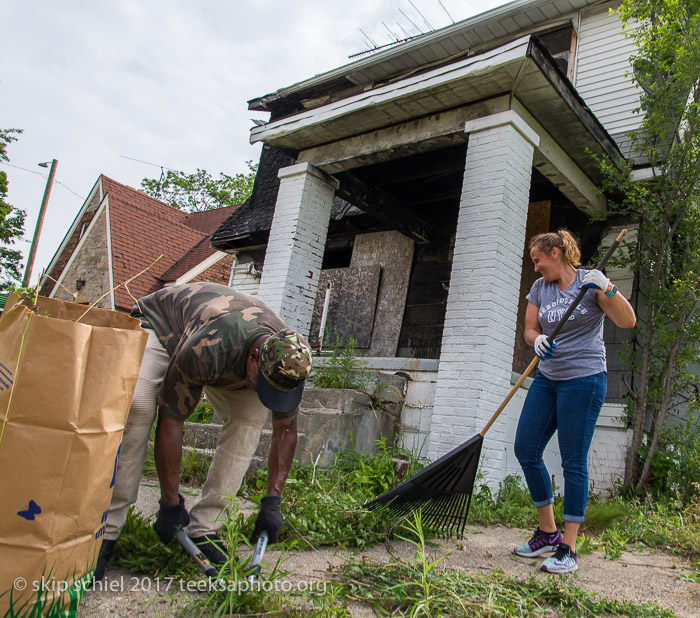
[{"x": 212, "y": 338}]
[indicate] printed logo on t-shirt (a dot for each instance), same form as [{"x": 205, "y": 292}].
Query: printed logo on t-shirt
[{"x": 554, "y": 312}]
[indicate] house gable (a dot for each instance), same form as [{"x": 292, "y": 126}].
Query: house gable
[
  {"x": 142, "y": 238},
  {"x": 87, "y": 270}
]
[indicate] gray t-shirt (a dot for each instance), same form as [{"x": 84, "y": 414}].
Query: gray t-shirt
[{"x": 580, "y": 350}]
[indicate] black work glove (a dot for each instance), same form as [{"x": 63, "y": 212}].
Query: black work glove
[
  {"x": 170, "y": 519},
  {"x": 269, "y": 518}
]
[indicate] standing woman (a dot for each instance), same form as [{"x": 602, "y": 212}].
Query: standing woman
[{"x": 568, "y": 390}]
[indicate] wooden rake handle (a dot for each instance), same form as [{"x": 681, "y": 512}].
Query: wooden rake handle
[{"x": 555, "y": 332}]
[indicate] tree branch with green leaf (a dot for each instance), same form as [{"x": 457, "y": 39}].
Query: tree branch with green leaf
[
  {"x": 200, "y": 191},
  {"x": 11, "y": 222},
  {"x": 666, "y": 256}
]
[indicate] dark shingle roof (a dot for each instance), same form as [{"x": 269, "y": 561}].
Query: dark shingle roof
[{"x": 250, "y": 224}]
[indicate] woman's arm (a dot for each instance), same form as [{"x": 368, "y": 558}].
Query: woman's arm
[
  {"x": 617, "y": 308},
  {"x": 532, "y": 324}
]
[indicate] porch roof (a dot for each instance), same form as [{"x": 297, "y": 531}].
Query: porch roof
[
  {"x": 522, "y": 68},
  {"x": 464, "y": 38}
]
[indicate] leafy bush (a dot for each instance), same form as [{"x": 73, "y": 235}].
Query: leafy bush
[{"x": 512, "y": 506}]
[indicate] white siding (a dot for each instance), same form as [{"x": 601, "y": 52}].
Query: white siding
[
  {"x": 602, "y": 71},
  {"x": 244, "y": 278}
]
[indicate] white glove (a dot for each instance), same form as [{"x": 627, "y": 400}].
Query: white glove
[
  {"x": 596, "y": 279},
  {"x": 543, "y": 348}
]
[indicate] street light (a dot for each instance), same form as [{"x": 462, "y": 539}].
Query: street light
[{"x": 39, "y": 222}]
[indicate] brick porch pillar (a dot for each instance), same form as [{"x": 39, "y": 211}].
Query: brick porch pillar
[
  {"x": 297, "y": 240},
  {"x": 480, "y": 322}
]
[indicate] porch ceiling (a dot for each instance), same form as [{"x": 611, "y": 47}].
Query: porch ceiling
[{"x": 521, "y": 68}]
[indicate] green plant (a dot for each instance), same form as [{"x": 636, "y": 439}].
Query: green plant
[
  {"x": 232, "y": 592},
  {"x": 512, "y": 506},
  {"x": 341, "y": 368},
  {"x": 324, "y": 506},
  {"x": 603, "y": 514},
  {"x": 139, "y": 549},
  {"x": 426, "y": 567},
  {"x": 203, "y": 413},
  {"x": 399, "y": 588},
  {"x": 665, "y": 254},
  {"x": 194, "y": 465},
  {"x": 675, "y": 467}
]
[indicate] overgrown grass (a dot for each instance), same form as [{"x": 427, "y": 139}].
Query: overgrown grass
[
  {"x": 611, "y": 525},
  {"x": 398, "y": 589},
  {"x": 323, "y": 507}
]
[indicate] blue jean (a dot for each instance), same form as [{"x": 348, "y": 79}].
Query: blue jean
[{"x": 571, "y": 407}]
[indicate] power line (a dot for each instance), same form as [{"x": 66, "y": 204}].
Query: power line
[
  {"x": 24, "y": 169},
  {"x": 148, "y": 163},
  {"x": 56, "y": 182}
]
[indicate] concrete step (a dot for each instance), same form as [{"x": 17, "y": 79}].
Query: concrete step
[{"x": 330, "y": 421}]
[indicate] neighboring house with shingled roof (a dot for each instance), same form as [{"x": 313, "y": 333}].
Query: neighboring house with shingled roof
[{"x": 119, "y": 232}]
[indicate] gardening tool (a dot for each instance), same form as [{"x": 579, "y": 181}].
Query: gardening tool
[
  {"x": 196, "y": 553},
  {"x": 258, "y": 555},
  {"x": 443, "y": 489}
]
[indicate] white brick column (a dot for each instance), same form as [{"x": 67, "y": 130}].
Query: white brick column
[
  {"x": 297, "y": 240},
  {"x": 480, "y": 322}
]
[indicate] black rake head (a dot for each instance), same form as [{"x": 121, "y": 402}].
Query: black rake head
[{"x": 442, "y": 491}]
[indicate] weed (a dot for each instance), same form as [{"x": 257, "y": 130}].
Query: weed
[
  {"x": 324, "y": 506},
  {"x": 415, "y": 528},
  {"x": 194, "y": 465},
  {"x": 232, "y": 592},
  {"x": 203, "y": 413},
  {"x": 423, "y": 587},
  {"x": 512, "y": 506},
  {"x": 602, "y": 515},
  {"x": 139, "y": 549},
  {"x": 341, "y": 371}
]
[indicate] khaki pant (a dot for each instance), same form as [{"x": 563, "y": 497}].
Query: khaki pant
[{"x": 243, "y": 416}]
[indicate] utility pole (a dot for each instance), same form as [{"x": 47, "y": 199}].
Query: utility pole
[{"x": 39, "y": 223}]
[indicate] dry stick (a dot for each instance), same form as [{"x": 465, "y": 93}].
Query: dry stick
[
  {"x": 19, "y": 358},
  {"x": 19, "y": 362},
  {"x": 44, "y": 275},
  {"x": 29, "y": 320},
  {"x": 91, "y": 307}
]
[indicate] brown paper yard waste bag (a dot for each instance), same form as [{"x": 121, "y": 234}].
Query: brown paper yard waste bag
[{"x": 65, "y": 391}]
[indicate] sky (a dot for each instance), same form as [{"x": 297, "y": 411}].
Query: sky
[{"x": 125, "y": 87}]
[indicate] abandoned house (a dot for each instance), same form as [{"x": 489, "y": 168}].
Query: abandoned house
[
  {"x": 120, "y": 232},
  {"x": 405, "y": 185}
]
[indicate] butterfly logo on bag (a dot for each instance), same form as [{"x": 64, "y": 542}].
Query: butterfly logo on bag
[{"x": 32, "y": 509}]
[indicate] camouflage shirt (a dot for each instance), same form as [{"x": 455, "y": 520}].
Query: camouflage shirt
[{"x": 207, "y": 329}]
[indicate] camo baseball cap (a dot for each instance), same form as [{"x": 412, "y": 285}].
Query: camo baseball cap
[{"x": 285, "y": 363}]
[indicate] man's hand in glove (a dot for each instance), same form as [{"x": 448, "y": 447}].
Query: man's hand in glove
[
  {"x": 171, "y": 518},
  {"x": 269, "y": 518}
]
